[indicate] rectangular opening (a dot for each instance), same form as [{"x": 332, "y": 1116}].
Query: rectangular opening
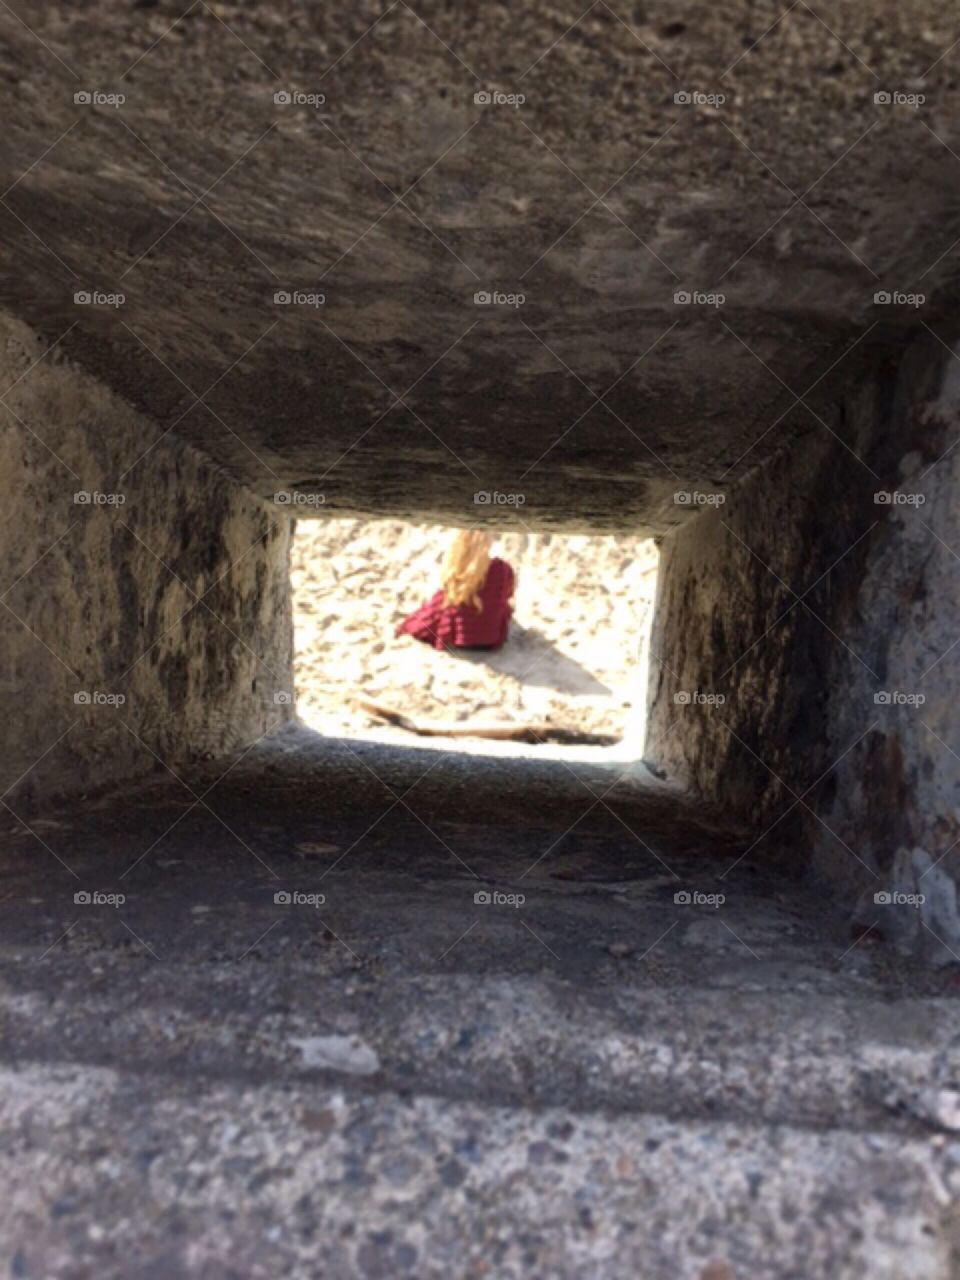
[{"x": 573, "y": 664}]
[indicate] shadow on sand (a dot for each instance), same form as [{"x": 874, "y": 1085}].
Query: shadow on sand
[{"x": 534, "y": 660}]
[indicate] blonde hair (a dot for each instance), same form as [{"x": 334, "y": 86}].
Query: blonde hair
[{"x": 465, "y": 567}]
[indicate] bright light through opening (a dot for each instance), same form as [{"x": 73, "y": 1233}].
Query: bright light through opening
[{"x": 575, "y": 659}]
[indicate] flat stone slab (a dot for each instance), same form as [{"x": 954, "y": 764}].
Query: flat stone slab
[
  {"x": 275, "y": 1037},
  {"x": 132, "y": 1175}
]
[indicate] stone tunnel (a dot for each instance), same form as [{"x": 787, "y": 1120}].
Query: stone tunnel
[{"x": 682, "y": 270}]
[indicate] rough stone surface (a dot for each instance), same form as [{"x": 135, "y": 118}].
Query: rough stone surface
[
  {"x": 156, "y": 1178},
  {"x": 895, "y": 797},
  {"x": 175, "y": 599},
  {"x": 201, "y": 1080},
  {"x": 804, "y": 661},
  {"x": 334, "y": 1009},
  {"x": 199, "y": 197}
]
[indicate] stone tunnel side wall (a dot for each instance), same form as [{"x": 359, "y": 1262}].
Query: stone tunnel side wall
[
  {"x": 829, "y": 624},
  {"x": 168, "y": 588}
]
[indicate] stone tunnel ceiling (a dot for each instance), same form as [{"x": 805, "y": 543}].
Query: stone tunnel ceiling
[{"x": 784, "y": 185}]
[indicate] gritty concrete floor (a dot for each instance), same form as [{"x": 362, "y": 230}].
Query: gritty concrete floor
[{"x": 202, "y": 1080}]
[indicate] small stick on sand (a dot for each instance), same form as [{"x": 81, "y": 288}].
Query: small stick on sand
[{"x": 499, "y": 730}]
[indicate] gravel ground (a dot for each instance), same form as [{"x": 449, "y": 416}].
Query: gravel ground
[{"x": 574, "y": 658}]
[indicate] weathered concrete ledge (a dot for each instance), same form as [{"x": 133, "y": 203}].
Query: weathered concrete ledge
[
  {"x": 144, "y": 603},
  {"x": 805, "y": 672}
]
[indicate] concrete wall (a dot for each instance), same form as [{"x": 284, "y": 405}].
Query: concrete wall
[
  {"x": 172, "y": 594},
  {"x": 816, "y": 634}
]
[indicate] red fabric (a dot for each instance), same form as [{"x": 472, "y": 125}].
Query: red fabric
[{"x": 464, "y": 626}]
